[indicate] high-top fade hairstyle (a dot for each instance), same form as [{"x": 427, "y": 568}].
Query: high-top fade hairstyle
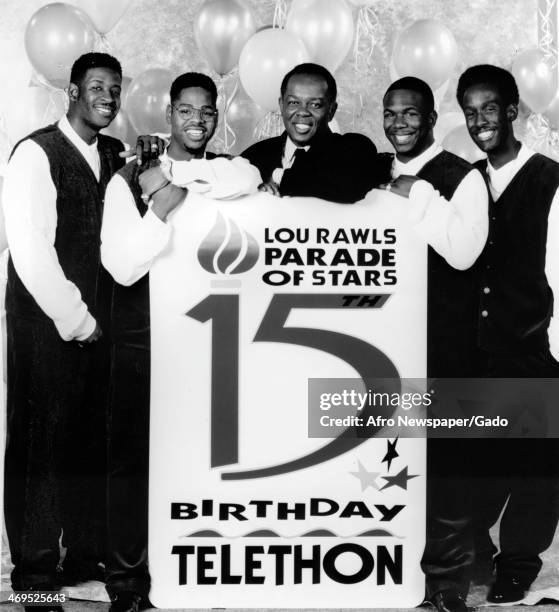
[
  {"x": 499, "y": 78},
  {"x": 93, "y": 60},
  {"x": 414, "y": 84},
  {"x": 193, "y": 79},
  {"x": 309, "y": 68}
]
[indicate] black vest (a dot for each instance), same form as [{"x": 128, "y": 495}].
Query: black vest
[
  {"x": 79, "y": 208},
  {"x": 451, "y": 301},
  {"x": 516, "y": 302}
]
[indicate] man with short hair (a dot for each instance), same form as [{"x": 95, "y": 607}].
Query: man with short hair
[
  {"x": 448, "y": 208},
  {"x": 137, "y": 227},
  {"x": 308, "y": 159},
  {"x": 57, "y": 304},
  {"x": 518, "y": 279}
]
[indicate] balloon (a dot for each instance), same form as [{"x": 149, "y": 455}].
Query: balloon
[
  {"x": 55, "y": 37},
  {"x": 104, "y": 14},
  {"x": 221, "y": 29},
  {"x": 446, "y": 122},
  {"x": 536, "y": 80},
  {"x": 243, "y": 115},
  {"x": 427, "y": 50},
  {"x": 551, "y": 113},
  {"x": 326, "y": 28},
  {"x": 459, "y": 142},
  {"x": 266, "y": 58},
  {"x": 147, "y": 99},
  {"x": 121, "y": 128},
  {"x": 36, "y": 107}
]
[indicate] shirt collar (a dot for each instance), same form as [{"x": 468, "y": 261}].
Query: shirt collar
[
  {"x": 413, "y": 166},
  {"x": 71, "y": 134},
  {"x": 290, "y": 148},
  {"x": 501, "y": 177}
]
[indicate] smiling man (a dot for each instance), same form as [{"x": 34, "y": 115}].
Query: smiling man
[
  {"x": 448, "y": 209},
  {"x": 308, "y": 159},
  {"x": 518, "y": 328},
  {"x": 57, "y": 302},
  {"x": 137, "y": 227}
]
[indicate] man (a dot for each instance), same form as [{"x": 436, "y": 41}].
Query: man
[
  {"x": 137, "y": 226},
  {"x": 308, "y": 159},
  {"x": 57, "y": 302},
  {"x": 448, "y": 208},
  {"x": 519, "y": 275}
]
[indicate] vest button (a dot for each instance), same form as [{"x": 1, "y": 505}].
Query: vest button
[
  {"x": 486, "y": 290},
  {"x": 487, "y": 267},
  {"x": 484, "y": 314},
  {"x": 491, "y": 242}
]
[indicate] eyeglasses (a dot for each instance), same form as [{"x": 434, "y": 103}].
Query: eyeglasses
[{"x": 186, "y": 112}]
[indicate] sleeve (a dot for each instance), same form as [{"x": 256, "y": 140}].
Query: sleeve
[
  {"x": 219, "y": 178},
  {"x": 344, "y": 172},
  {"x": 129, "y": 242},
  {"x": 458, "y": 229},
  {"x": 29, "y": 199},
  {"x": 552, "y": 272}
]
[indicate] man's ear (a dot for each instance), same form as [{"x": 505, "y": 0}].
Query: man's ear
[
  {"x": 512, "y": 112},
  {"x": 73, "y": 92},
  {"x": 433, "y": 118},
  {"x": 332, "y": 111},
  {"x": 168, "y": 113}
]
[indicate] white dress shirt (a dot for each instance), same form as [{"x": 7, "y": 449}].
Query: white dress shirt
[
  {"x": 287, "y": 159},
  {"x": 130, "y": 242},
  {"x": 498, "y": 182},
  {"x": 29, "y": 201},
  {"x": 456, "y": 229}
]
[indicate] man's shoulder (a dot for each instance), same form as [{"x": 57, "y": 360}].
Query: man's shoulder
[
  {"x": 354, "y": 143},
  {"x": 268, "y": 144},
  {"x": 448, "y": 158},
  {"x": 108, "y": 142},
  {"x": 42, "y": 137}
]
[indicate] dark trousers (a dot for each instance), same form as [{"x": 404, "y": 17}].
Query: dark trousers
[
  {"x": 449, "y": 550},
  {"x": 55, "y": 451},
  {"x": 521, "y": 473},
  {"x": 128, "y": 468}
]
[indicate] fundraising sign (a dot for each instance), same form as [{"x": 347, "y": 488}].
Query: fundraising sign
[{"x": 251, "y": 300}]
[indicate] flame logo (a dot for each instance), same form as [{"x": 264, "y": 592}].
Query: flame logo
[{"x": 227, "y": 249}]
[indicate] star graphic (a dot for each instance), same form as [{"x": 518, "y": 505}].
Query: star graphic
[
  {"x": 367, "y": 479},
  {"x": 391, "y": 452},
  {"x": 400, "y": 480}
]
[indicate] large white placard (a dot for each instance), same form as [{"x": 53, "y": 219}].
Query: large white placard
[{"x": 252, "y": 299}]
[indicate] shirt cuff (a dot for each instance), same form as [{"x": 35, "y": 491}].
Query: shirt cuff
[
  {"x": 277, "y": 175},
  {"x": 421, "y": 193},
  {"x": 69, "y": 331}
]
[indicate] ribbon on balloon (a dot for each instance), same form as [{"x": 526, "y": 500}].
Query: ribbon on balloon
[{"x": 367, "y": 29}]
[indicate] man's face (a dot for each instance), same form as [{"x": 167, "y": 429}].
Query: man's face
[
  {"x": 408, "y": 124},
  {"x": 488, "y": 118},
  {"x": 96, "y": 99},
  {"x": 193, "y": 119},
  {"x": 306, "y": 108}
]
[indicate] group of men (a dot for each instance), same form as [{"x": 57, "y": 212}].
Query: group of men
[{"x": 78, "y": 218}]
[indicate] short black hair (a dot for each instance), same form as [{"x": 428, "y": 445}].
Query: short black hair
[
  {"x": 93, "y": 60},
  {"x": 414, "y": 84},
  {"x": 193, "y": 79},
  {"x": 309, "y": 68},
  {"x": 488, "y": 74}
]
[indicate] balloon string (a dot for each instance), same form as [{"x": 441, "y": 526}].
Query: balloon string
[
  {"x": 270, "y": 125},
  {"x": 366, "y": 35},
  {"x": 102, "y": 44},
  {"x": 541, "y": 136},
  {"x": 226, "y": 127},
  {"x": 547, "y": 19},
  {"x": 280, "y": 14}
]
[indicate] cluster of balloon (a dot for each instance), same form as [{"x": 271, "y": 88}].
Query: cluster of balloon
[
  {"x": 221, "y": 30},
  {"x": 243, "y": 115},
  {"x": 121, "y": 126},
  {"x": 55, "y": 36}
]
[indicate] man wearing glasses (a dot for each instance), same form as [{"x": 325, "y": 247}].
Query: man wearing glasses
[{"x": 137, "y": 227}]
